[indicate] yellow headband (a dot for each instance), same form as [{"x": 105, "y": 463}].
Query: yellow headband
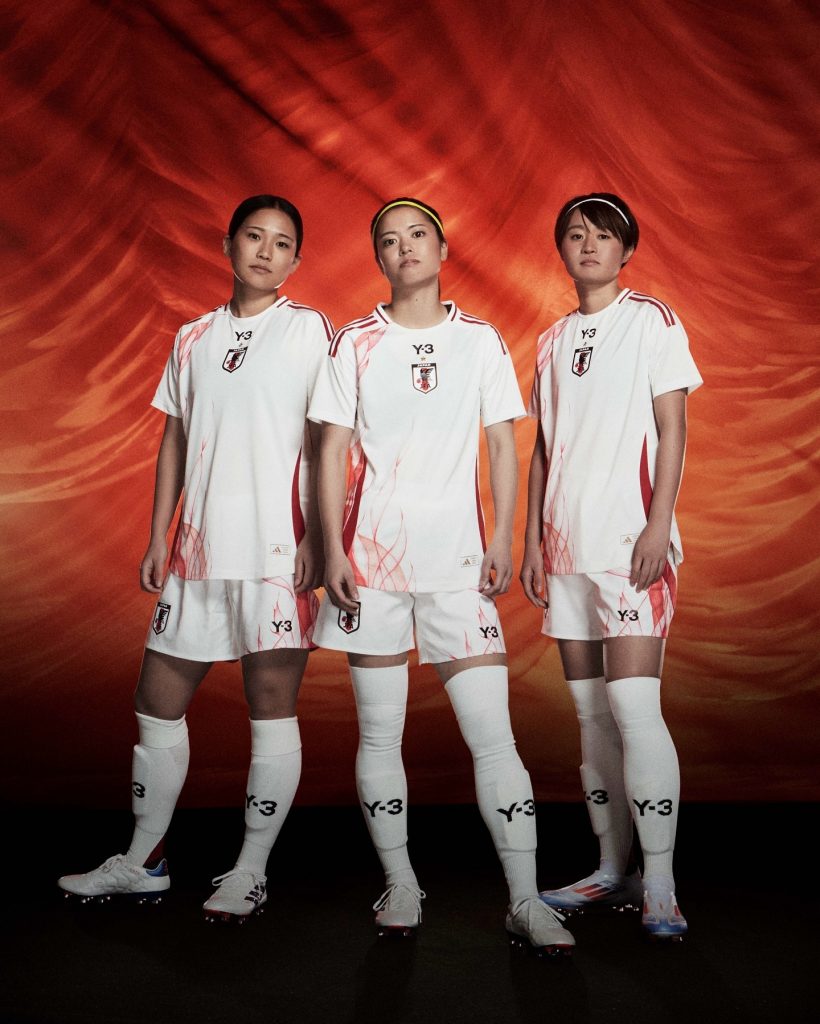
[{"x": 408, "y": 202}]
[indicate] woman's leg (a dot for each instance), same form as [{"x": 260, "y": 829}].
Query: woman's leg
[
  {"x": 478, "y": 691},
  {"x": 380, "y": 685},
  {"x": 164, "y": 691},
  {"x": 272, "y": 680},
  {"x": 160, "y": 763},
  {"x": 651, "y": 771}
]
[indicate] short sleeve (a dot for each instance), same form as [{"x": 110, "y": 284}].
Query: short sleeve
[
  {"x": 671, "y": 366},
  {"x": 500, "y": 394},
  {"x": 167, "y": 397},
  {"x": 335, "y": 395},
  {"x": 318, "y": 342}
]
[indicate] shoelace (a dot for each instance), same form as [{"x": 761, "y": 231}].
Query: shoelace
[
  {"x": 533, "y": 903},
  {"x": 397, "y": 891},
  {"x": 234, "y": 873},
  {"x": 118, "y": 861}
]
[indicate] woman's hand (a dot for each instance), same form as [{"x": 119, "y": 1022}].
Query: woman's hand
[
  {"x": 533, "y": 579},
  {"x": 497, "y": 560},
  {"x": 152, "y": 567},
  {"x": 649, "y": 556},
  {"x": 340, "y": 583}
]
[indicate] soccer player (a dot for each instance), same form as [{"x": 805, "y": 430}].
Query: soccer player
[
  {"x": 602, "y": 547},
  {"x": 405, "y": 389},
  {"x": 245, "y": 559}
]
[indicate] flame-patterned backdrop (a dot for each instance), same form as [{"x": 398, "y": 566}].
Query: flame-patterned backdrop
[{"x": 131, "y": 130}]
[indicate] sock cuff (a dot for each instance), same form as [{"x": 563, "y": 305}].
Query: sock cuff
[
  {"x": 634, "y": 698},
  {"x": 384, "y": 685},
  {"x": 590, "y": 696},
  {"x": 474, "y": 689},
  {"x": 271, "y": 737},
  {"x": 161, "y": 733}
]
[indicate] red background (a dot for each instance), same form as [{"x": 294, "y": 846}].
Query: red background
[{"x": 130, "y": 133}]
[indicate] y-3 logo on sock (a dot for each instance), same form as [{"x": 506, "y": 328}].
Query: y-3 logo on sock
[
  {"x": 266, "y": 807},
  {"x": 525, "y": 807},
  {"x": 597, "y": 796},
  {"x": 662, "y": 807},
  {"x": 138, "y": 790},
  {"x": 394, "y": 806}
]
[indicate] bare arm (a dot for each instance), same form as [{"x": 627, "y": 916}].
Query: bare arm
[
  {"x": 309, "y": 563},
  {"x": 504, "y": 485},
  {"x": 532, "y": 568},
  {"x": 170, "y": 475},
  {"x": 652, "y": 547},
  {"x": 339, "y": 580}
]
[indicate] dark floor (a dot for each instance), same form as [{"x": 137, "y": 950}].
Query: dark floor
[{"x": 751, "y": 956}]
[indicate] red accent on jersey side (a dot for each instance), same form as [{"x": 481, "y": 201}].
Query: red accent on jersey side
[
  {"x": 483, "y": 323},
  {"x": 349, "y": 527},
  {"x": 480, "y": 511},
  {"x": 665, "y": 311},
  {"x": 368, "y": 321},
  {"x": 328, "y": 326},
  {"x": 295, "y": 504},
  {"x": 646, "y": 483},
  {"x": 671, "y": 581}
]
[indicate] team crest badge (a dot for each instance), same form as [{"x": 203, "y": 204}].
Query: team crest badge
[
  {"x": 425, "y": 378},
  {"x": 349, "y": 621},
  {"x": 581, "y": 360},
  {"x": 234, "y": 359},
  {"x": 161, "y": 617}
]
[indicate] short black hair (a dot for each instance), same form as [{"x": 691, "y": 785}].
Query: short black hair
[{"x": 598, "y": 208}]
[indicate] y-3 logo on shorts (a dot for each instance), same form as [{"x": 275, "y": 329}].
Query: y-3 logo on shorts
[
  {"x": 349, "y": 621},
  {"x": 161, "y": 617},
  {"x": 489, "y": 631},
  {"x": 628, "y": 614},
  {"x": 581, "y": 360},
  {"x": 282, "y": 625}
]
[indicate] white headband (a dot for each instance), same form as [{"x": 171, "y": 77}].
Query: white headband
[{"x": 614, "y": 207}]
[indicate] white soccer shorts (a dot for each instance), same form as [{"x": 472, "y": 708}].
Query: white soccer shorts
[
  {"x": 448, "y": 625},
  {"x": 602, "y": 605},
  {"x": 222, "y": 620}
]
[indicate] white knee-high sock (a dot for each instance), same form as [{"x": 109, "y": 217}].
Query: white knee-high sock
[
  {"x": 159, "y": 768},
  {"x": 502, "y": 784},
  {"x": 276, "y": 766},
  {"x": 602, "y": 773},
  {"x": 381, "y": 705},
  {"x": 651, "y": 772}
]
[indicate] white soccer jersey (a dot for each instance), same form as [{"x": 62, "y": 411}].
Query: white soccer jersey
[
  {"x": 415, "y": 397},
  {"x": 596, "y": 376},
  {"x": 242, "y": 387}
]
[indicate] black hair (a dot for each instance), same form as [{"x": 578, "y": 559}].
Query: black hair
[
  {"x": 266, "y": 202},
  {"x": 434, "y": 215},
  {"x": 596, "y": 208}
]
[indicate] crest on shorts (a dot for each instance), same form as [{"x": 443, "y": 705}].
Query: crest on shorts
[
  {"x": 349, "y": 621},
  {"x": 425, "y": 377},
  {"x": 234, "y": 359},
  {"x": 581, "y": 360},
  {"x": 161, "y": 616}
]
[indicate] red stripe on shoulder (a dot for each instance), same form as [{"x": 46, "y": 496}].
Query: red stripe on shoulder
[
  {"x": 356, "y": 325},
  {"x": 328, "y": 326},
  {"x": 483, "y": 323},
  {"x": 663, "y": 309}
]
